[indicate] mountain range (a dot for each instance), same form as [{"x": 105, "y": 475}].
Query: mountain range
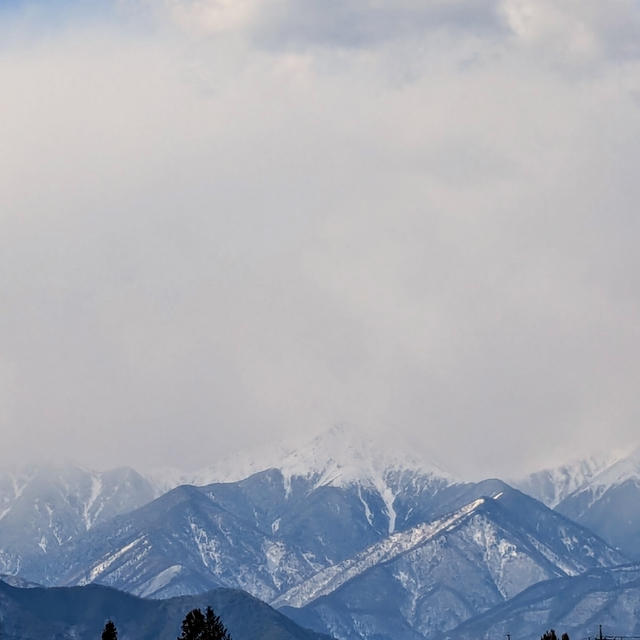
[
  {"x": 80, "y": 612},
  {"x": 44, "y": 508},
  {"x": 345, "y": 537},
  {"x": 602, "y": 494}
]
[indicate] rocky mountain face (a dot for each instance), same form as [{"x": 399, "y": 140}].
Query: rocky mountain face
[
  {"x": 81, "y": 612},
  {"x": 182, "y": 543},
  {"x": 577, "y": 605},
  {"x": 602, "y": 495},
  {"x": 44, "y": 508},
  {"x": 552, "y": 486},
  {"x": 348, "y": 538},
  {"x": 323, "y": 552},
  {"x": 426, "y": 580},
  {"x": 263, "y": 534}
]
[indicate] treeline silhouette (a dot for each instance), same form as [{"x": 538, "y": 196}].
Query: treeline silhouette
[
  {"x": 208, "y": 626},
  {"x": 195, "y": 626},
  {"x": 551, "y": 635}
]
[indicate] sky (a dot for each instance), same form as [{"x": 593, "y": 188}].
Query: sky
[{"x": 224, "y": 222}]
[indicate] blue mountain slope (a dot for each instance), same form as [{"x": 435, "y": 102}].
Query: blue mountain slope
[
  {"x": 181, "y": 543},
  {"x": 610, "y": 511},
  {"x": 43, "y": 508},
  {"x": 602, "y": 494},
  {"x": 427, "y": 580},
  {"x": 577, "y": 605},
  {"x": 81, "y": 612},
  {"x": 263, "y": 534}
]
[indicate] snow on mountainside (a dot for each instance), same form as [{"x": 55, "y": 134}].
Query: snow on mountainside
[
  {"x": 43, "y": 508},
  {"x": 344, "y": 455},
  {"x": 551, "y": 486},
  {"x": 608, "y": 504},
  {"x": 184, "y": 543},
  {"x": 327, "y": 499},
  {"x": 319, "y": 542},
  {"x": 263, "y": 534},
  {"x": 363, "y": 537},
  {"x": 340, "y": 457},
  {"x": 427, "y": 580},
  {"x": 331, "y": 578},
  {"x": 619, "y": 471},
  {"x": 577, "y": 605},
  {"x": 19, "y": 583},
  {"x": 601, "y": 493}
]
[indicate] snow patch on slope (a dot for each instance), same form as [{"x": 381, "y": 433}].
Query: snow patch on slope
[
  {"x": 101, "y": 567},
  {"x": 96, "y": 489},
  {"x": 332, "y": 577},
  {"x": 158, "y": 582}
]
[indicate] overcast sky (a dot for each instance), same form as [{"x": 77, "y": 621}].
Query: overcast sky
[{"x": 229, "y": 220}]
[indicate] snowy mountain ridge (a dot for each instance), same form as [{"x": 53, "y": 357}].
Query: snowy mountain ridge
[
  {"x": 597, "y": 473},
  {"x": 332, "y": 577},
  {"x": 551, "y": 486},
  {"x": 601, "y": 493},
  {"x": 621, "y": 470},
  {"x": 44, "y": 507},
  {"x": 347, "y": 534},
  {"x": 342, "y": 456},
  {"x": 339, "y": 456},
  {"x": 425, "y": 581}
]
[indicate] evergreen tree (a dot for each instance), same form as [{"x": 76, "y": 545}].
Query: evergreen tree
[
  {"x": 215, "y": 629},
  {"x": 193, "y": 626},
  {"x": 199, "y": 626},
  {"x": 551, "y": 635},
  {"x": 110, "y": 632}
]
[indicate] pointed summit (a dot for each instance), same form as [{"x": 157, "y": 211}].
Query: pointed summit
[
  {"x": 345, "y": 454},
  {"x": 341, "y": 455}
]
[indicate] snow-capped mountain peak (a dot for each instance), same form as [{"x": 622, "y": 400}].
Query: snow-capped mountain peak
[
  {"x": 345, "y": 455},
  {"x": 622, "y": 469},
  {"x": 339, "y": 456},
  {"x": 551, "y": 486}
]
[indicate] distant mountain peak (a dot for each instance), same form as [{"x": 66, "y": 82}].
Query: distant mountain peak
[
  {"x": 338, "y": 456},
  {"x": 624, "y": 467},
  {"x": 552, "y": 485},
  {"x": 344, "y": 454}
]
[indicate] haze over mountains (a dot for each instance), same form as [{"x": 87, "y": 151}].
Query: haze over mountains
[{"x": 344, "y": 536}]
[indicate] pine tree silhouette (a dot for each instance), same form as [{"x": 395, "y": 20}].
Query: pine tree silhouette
[
  {"x": 551, "y": 635},
  {"x": 215, "y": 629},
  {"x": 110, "y": 632},
  {"x": 199, "y": 626}
]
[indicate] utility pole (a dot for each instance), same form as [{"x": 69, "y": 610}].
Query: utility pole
[
  {"x": 601, "y": 636},
  {"x": 508, "y": 636}
]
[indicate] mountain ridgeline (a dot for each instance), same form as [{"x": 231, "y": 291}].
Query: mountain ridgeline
[
  {"x": 81, "y": 612},
  {"x": 344, "y": 538}
]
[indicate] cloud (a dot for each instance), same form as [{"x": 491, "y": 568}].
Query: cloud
[
  {"x": 361, "y": 23},
  {"x": 577, "y": 31},
  {"x": 224, "y": 222}
]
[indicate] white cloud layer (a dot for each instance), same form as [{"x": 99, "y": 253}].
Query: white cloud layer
[{"x": 223, "y": 221}]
